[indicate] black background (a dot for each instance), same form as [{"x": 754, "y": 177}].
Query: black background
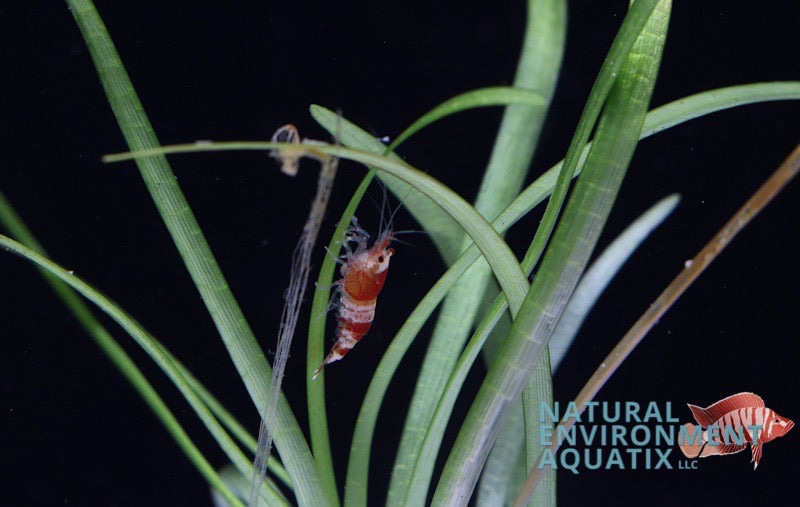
[{"x": 74, "y": 432}]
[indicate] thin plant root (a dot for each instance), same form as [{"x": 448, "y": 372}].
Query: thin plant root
[{"x": 298, "y": 280}]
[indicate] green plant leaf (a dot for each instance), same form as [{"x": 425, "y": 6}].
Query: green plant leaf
[
  {"x": 663, "y": 117},
  {"x": 132, "y": 373},
  {"x": 442, "y": 229},
  {"x": 586, "y": 293},
  {"x": 15, "y": 225},
  {"x": 520, "y": 94},
  {"x": 240, "y": 485},
  {"x": 492, "y": 247},
  {"x": 595, "y": 191},
  {"x": 537, "y": 70},
  {"x": 600, "y": 273},
  {"x": 427, "y": 212},
  {"x": 521, "y": 123},
  {"x": 315, "y": 389},
  {"x": 503, "y": 462},
  {"x": 195, "y": 252},
  {"x": 659, "y": 119},
  {"x": 439, "y": 225}
]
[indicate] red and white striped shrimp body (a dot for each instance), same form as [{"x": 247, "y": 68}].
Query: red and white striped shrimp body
[{"x": 363, "y": 275}]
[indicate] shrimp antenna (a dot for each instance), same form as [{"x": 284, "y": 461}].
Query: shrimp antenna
[
  {"x": 410, "y": 231},
  {"x": 384, "y": 202},
  {"x": 378, "y": 207},
  {"x": 387, "y": 223},
  {"x": 399, "y": 204},
  {"x": 381, "y": 209}
]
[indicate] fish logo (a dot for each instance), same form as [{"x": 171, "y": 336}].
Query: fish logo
[{"x": 730, "y": 424}]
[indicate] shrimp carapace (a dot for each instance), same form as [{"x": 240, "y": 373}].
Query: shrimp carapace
[{"x": 363, "y": 272}]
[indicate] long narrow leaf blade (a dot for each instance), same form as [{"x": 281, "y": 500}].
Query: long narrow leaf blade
[
  {"x": 668, "y": 115},
  {"x": 440, "y": 227},
  {"x": 600, "y": 273},
  {"x": 617, "y": 134},
  {"x": 513, "y": 150},
  {"x": 482, "y": 97},
  {"x": 123, "y": 361},
  {"x": 673, "y": 113},
  {"x": 185, "y": 231},
  {"x": 174, "y": 369}
]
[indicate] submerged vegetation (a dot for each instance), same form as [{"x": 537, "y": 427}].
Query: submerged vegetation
[{"x": 487, "y": 300}]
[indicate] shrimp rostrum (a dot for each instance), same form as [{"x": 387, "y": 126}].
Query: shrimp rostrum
[{"x": 363, "y": 273}]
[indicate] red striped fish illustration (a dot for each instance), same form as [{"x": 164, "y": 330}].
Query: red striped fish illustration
[
  {"x": 363, "y": 275},
  {"x": 730, "y": 424}
]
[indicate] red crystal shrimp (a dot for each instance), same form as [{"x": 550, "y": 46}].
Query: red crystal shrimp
[{"x": 363, "y": 275}]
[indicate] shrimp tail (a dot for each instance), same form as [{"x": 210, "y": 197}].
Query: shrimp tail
[{"x": 338, "y": 351}]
